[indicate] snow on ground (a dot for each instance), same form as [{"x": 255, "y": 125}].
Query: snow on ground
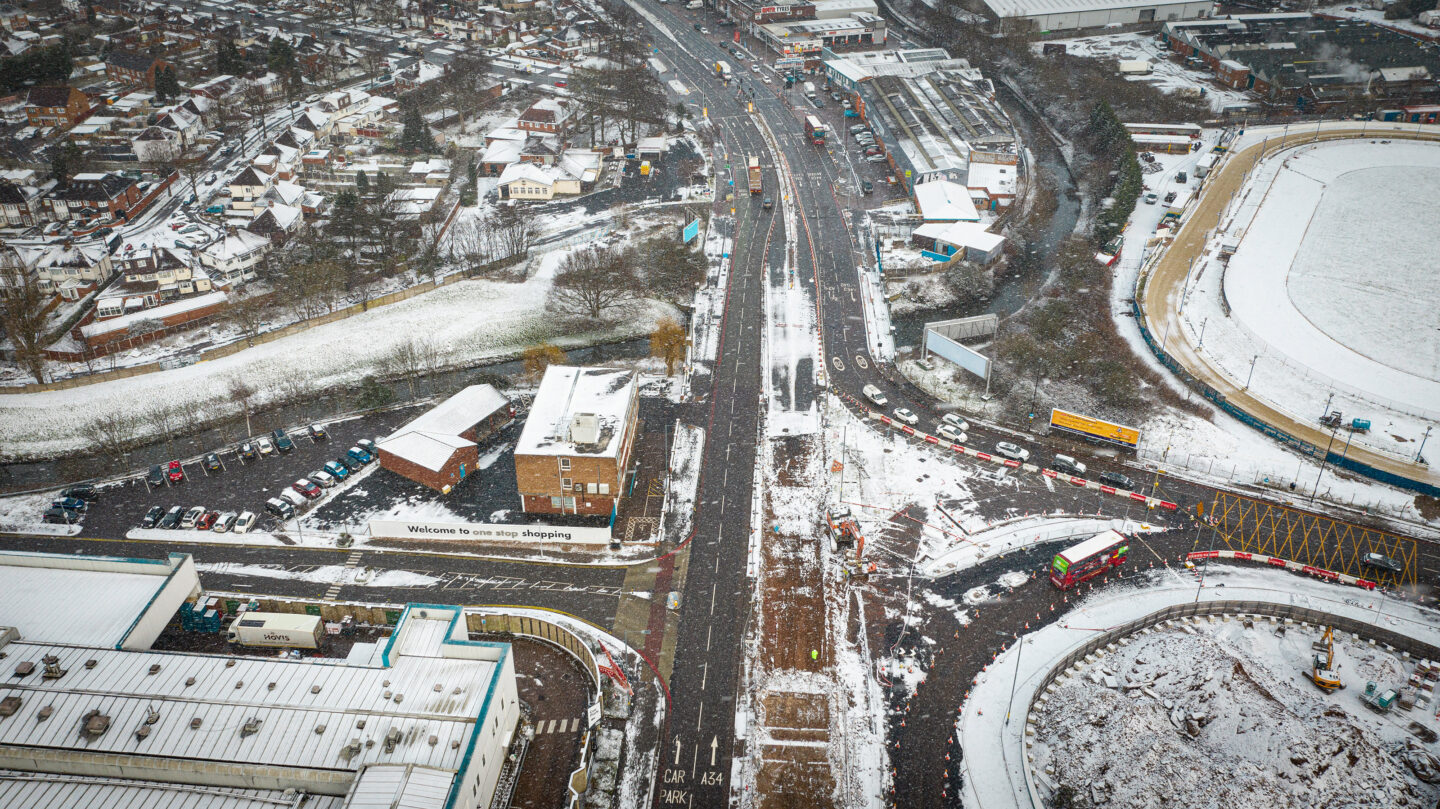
[
  {"x": 981, "y": 546},
  {"x": 1224, "y": 698},
  {"x": 1318, "y": 320},
  {"x": 334, "y": 355},
  {"x": 1376, "y": 16},
  {"x": 791, "y": 346},
  {"x": 994, "y": 748},
  {"x": 1168, "y": 75},
  {"x": 324, "y": 574},
  {"x": 683, "y": 482}
]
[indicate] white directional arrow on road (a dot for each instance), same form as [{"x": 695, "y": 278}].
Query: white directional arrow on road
[
  {"x": 677, "y": 751},
  {"x": 714, "y": 742}
]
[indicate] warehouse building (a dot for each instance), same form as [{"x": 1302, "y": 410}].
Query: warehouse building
[
  {"x": 575, "y": 449},
  {"x": 1060, "y": 15},
  {"x": 440, "y": 447},
  {"x": 423, "y": 720}
]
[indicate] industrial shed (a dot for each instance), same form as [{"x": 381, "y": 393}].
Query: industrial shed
[
  {"x": 1059, "y": 15},
  {"x": 438, "y": 448}
]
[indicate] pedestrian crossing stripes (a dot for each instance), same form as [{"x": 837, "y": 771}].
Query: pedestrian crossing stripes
[
  {"x": 351, "y": 563},
  {"x": 556, "y": 726}
]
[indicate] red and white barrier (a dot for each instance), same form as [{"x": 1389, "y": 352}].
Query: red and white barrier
[{"x": 1275, "y": 561}]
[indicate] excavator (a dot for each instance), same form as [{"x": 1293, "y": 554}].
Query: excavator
[{"x": 1322, "y": 670}]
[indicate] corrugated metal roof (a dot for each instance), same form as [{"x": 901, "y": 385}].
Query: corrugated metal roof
[
  {"x": 389, "y": 787},
  {"x": 299, "y": 725},
  {"x": 1036, "y": 8},
  {"x": 44, "y": 791},
  {"x": 57, "y": 604}
]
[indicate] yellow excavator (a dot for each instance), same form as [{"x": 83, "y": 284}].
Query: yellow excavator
[{"x": 1322, "y": 671}]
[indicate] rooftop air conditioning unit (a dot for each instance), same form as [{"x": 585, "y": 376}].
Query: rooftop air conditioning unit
[{"x": 585, "y": 428}]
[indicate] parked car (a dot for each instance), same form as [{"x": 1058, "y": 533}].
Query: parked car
[
  {"x": 156, "y": 476},
  {"x": 192, "y": 516},
  {"x": 368, "y": 445},
  {"x": 1014, "y": 452},
  {"x": 866, "y": 187},
  {"x": 765, "y": 78},
  {"x": 1380, "y": 561},
  {"x": 212, "y": 463},
  {"x": 243, "y": 522},
  {"x": 173, "y": 517},
  {"x": 1152, "y": 198},
  {"x": 152, "y": 517},
  {"x": 906, "y": 415},
  {"x": 337, "y": 470},
  {"x": 293, "y": 497},
  {"x": 60, "y": 516},
  {"x": 954, "y": 420},
  {"x": 282, "y": 441},
  {"x": 950, "y": 432},
  {"x": 1117, "y": 480},
  {"x": 207, "y": 520},
  {"x": 265, "y": 446},
  {"x": 1181, "y": 177},
  {"x": 69, "y": 504},
  {"x": 247, "y": 451},
  {"x": 875, "y": 158},
  {"x": 225, "y": 522},
  {"x": 317, "y": 432},
  {"x": 754, "y": 67},
  {"x": 175, "y": 472},
  {"x": 360, "y": 455},
  {"x": 280, "y": 508},
  {"x": 350, "y": 463},
  {"x": 324, "y": 480},
  {"x": 306, "y": 487},
  {"x": 84, "y": 492}
]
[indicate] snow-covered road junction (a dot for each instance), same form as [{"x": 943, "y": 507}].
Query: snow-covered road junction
[{"x": 1258, "y": 621}]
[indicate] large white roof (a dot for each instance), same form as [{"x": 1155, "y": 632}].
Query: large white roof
[
  {"x": 49, "y": 790},
  {"x": 567, "y": 391},
  {"x": 1038, "y": 8},
  {"x": 945, "y": 201},
  {"x": 431, "y": 438},
  {"x": 51, "y": 602}
]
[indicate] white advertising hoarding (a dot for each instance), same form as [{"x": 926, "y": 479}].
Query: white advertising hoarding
[{"x": 521, "y": 533}]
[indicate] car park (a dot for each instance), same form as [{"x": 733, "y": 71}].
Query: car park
[
  {"x": 906, "y": 415},
  {"x": 306, "y": 487},
  {"x": 280, "y": 508},
  {"x": 875, "y": 158},
  {"x": 212, "y": 463},
  {"x": 367, "y": 445},
  {"x": 317, "y": 432},
  {"x": 337, "y": 470},
  {"x": 69, "y": 504},
  {"x": 1117, "y": 480},
  {"x": 175, "y": 472},
  {"x": 225, "y": 522},
  {"x": 206, "y": 521},
  {"x": 82, "y": 492},
  {"x": 247, "y": 451},
  {"x": 1014, "y": 452},
  {"x": 950, "y": 432},
  {"x": 156, "y": 476},
  {"x": 265, "y": 446},
  {"x": 60, "y": 516},
  {"x": 192, "y": 516},
  {"x": 172, "y": 517},
  {"x": 360, "y": 455},
  {"x": 955, "y": 421},
  {"x": 324, "y": 480},
  {"x": 350, "y": 463},
  {"x": 152, "y": 517},
  {"x": 282, "y": 440},
  {"x": 243, "y": 523},
  {"x": 293, "y": 497},
  {"x": 1380, "y": 561}
]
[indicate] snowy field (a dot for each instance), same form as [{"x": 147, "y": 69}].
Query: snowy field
[
  {"x": 463, "y": 324},
  {"x": 1329, "y": 295},
  {"x": 1167, "y": 75}
]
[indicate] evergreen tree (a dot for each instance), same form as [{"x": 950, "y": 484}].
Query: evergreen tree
[
  {"x": 227, "y": 59},
  {"x": 167, "y": 87},
  {"x": 416, "y": 135},
  {"x": 362, "y": 183}
]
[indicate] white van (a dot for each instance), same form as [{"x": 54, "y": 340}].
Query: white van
[{"x": 875, "y": 395}]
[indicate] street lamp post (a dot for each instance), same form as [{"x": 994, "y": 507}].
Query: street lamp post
[
  {"x": 1418, "y": 457},
  {"x": 1201, "y": 344},
  {"x": 1252, "y": 372},
  {"x": 1323, "y": 460},
  {"x": 1014, "y": 678}
]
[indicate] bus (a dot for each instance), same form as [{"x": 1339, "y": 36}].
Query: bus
[{"x": 1089, "y": 559}]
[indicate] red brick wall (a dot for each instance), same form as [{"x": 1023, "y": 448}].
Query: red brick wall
[
  {"x": 449, "y": 475},
  {"x": 591, "y": 505}
]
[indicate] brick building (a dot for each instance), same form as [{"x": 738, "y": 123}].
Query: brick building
[
  {"x": 548, "y": 115},
  {"x": 56, "y": 106},
  {"x": 578, "y": 439},
  {"x": 438, "y": 448},
  {"x": 138, "y": 69}
]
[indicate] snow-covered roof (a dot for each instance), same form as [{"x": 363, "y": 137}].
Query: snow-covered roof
[
  {"x": 432, "y": 437},
  {"x": 997, "y": 178},
  {"x": 525, "y": 171},
  {"x": 503, "y": 151},
  {"x": 161, "y": 312},
  {"x": 234, "y": 244},
  {"x": 944, "y": 201},
  {"x": 961, "y": 234},
  {"x": 1037, "y": 8},
  {"x": 41, "y": 595},
  {"x": 567, "y": 392},
  {"x": 93, "y": 792}
]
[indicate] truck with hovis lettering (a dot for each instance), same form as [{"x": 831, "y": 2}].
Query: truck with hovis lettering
[{"x": 277, "y": 629}]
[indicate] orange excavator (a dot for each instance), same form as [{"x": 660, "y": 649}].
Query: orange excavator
[{"x": 1322, "y": 668}]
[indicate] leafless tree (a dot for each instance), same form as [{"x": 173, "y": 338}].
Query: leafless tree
[
  {"x": 411, "y": 358},
  {"x": 164, "y": 419},
  {"x": 594, "y": 283},
  {"x": 23, "y": 314},
  {"x": 248, "y": 316},
  {"x": 112, "y": 433},
  {"x": 242, "y": 393}
]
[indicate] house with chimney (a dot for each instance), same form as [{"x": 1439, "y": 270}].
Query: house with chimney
[
  {"x": 93, "y": 194},
  {"x": 578, "y": 440},
  {"x": 152, "y": 277},
  {"x": 69, "y": 269},
  {"x": 56, "y": 106},
  {"x": 235, "y": 257},
  {"x": 548, "y": 116}
]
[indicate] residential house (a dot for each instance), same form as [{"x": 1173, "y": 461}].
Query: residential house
[
  {"x": 156, "y": 145},
  {"x": 439, "y": 448},
  {"x": 548, "y": 115},
  {"x": 573, "y": 454},
  {"x": 151, "y": 277},
  {"x": 526, "y": 181},
  {"x": 95, "y": 194},
  {"x": 247, "y": 187},
  {"x": 137, "y": 69},
  {"x": 68, "y": 269},
  {"x": 13, "y": 19},
  {"x": 56, "y": 106},
  {"x": 21, "y": 203},
  {"x": 277, "y": 222},
  {"x": 235, "y": 257}
]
